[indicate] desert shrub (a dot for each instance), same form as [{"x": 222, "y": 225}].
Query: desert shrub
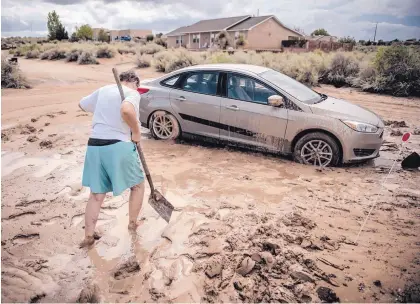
[
  {"x": 150, "y": 48},
  {"x": 73, "y": 55},
  {"x": 150, "y": 37},
  {"x": 241, "y": 41},
  {"x": 53, "y": 54},
  {"x": 126, "y": 50},
  {"x": 11, "y": 76},
  {"x": 160, "y": 41},
  {"x": 32, "y": 54},
  {"x": 105, "y": 52},
  {"x": 343, "y": 68},
  {"x": 143, "y": 61},
  {"x": 366, "y": 80},
  {"x": 87, "y": 57},
  {"x": 169, "y": 61},
  {"x": 398, "y": 70}
]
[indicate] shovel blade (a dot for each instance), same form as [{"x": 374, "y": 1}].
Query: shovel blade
[{"x": 161, "y": 205}]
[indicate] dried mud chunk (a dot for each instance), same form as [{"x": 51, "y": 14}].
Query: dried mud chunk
[
  {"x": 127, "y": 269},
  {"x": 396, "y": 133},
  {"x": 4, "y": 136},
  {"x": 298, "y": 220},
  {"x": 34, "y": 120},
  {"x": 327, "y": 295},
  {"x": 45, "y": 144},
  {"x": 306, "y": 244},
  {"x": 267, "y": 257},
  {"x": 214, "y": 268},
  {"x": 246, "y": 267},
  {"x": 37, "y": 298},
  {"x": 301, "y": 276},
  {"x": 89, "y": 294},
  {"x": 271, "y": 247},
  {"x": 32, "y": 138},
  {"x": 256, "y": 257}
]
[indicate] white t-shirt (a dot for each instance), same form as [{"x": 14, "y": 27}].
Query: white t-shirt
[{"x": 105, "y": 104}]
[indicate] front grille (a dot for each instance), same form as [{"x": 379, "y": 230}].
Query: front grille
[{"x": 363, "y": 152}]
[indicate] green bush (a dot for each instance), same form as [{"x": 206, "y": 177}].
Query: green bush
[
  {"x": 398, "y": 70},
  {"x": 150, "y": 37},
  {"x": 11, "y": 76},
  {"x": 32, "y": 54},
  {"x": 73, "y": 55},
  {"x": 160, "y": 41},
  {"x": 105, "y": 52},
  {"x": 342, "y": 70},
  {"x": 53, "y": 54},
  {"x": 126, "y": 50},
  {"x": 87, "y": 57},
  {"x": 169, "y": 61}
]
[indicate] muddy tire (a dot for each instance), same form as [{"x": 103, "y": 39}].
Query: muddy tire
[
  {"x": 164, "y": 126},
  {"x": 317, "y": 149}
]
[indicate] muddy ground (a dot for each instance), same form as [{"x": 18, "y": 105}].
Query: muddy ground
[{"x": 248, "y": 227}]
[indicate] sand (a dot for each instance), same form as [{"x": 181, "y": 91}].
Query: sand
[{"x": 248, "y": 227}]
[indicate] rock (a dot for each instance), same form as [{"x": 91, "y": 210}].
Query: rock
[
  {"x": 32, "y": 138},
  {"x": 301, "y": 276},
  {"x": 396, "y": 133},
  {"x": 327, "y": 295},
  {"x": 246, "y": 267},
  {"x": 317, "y": 245},
  {"x": 377, "y": 283},
  {"x": 306, "y": 244}
]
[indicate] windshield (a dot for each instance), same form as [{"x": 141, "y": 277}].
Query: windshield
[{"x": 292, "y": 87}]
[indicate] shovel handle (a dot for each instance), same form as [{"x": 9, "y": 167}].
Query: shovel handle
[{"x": 139, "y": 149}]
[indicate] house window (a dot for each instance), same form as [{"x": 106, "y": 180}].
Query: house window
[
  {"x": 196, "y": 38},
  {"x": 177, "y": 41}
]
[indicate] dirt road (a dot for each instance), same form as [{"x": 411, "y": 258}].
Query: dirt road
[{"x": 247, "y": 227}]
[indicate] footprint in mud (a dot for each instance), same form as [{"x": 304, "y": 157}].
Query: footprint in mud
[
  {"x": 21, "y": 239},
  {"x": 51, "y": 220},
  {"x": 126, "y": 269},
  {"x": 103, "y": 217},
  {"x": 75, "y": 191}
]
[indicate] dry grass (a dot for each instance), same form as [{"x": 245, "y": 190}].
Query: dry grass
[
  {"x": 11, "y": 76},
  {"x": 143, "y": 61}
]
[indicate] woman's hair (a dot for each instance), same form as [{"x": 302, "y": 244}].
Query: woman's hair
[{"x": 130, "y": 76}]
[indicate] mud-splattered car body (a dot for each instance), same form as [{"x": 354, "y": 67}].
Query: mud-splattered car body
[{"x": 229, "y": 103}]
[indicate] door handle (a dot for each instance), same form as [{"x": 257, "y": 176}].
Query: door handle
[
  {"x": 233, "y": 108},
  {"x": 181, "y": 98}
]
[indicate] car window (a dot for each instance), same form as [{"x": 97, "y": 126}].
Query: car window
[
  {"x": 171, "y": 81},
  {"x": 247, "y": 89},
  {"x": 201, "y": 82}
]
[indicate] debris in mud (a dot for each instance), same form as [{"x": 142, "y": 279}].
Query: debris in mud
[
  {"x": 34, "y": 119},
  {"x": 37, "y": 298},
  {"x": 326, "y": 262},
  {"x": 32, "y": 138},
  {"x": 388, "y": 146},
  {"x": 361, "y": 287},
  {"x": 25, "y": 236},
  {"x": 214, "y": 267},
  {"x": 416, "y": 131},
  {"x": 84, "y": 114},
  {"x": 296, "y": 219},
  {"x": 4, "y": 136},
  {"x": 327, "y": 295},
  {"x": 28, "y": 129},
  {"x": 47, "y": 124},
  {"x": 89, "y": 294},
  {"x": 377, "y": 283},
  {"x": 410, "y": 294},
  {"x": 25, "y": 203},
  {"x": 396, "y": 133},
  {"x": 12, "y": 216},
  {"x": 396, "y": 123},
  {"x": 127, "y": 269},
  {"x": 52, "y": 135},
  {"x": 37, "y": 265},
  {"x": 301, "y": 276},
  {"x": 50, "y": 115},
  {"x": 46, "y": 144}
]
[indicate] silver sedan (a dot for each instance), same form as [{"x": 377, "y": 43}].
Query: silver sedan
[{"x": 253, "y": 106}]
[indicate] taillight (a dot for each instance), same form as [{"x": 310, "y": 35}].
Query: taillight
[{"x": 142, "y": 90}]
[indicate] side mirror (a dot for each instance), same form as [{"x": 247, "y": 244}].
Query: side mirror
[{"x": 275, "y": 100}]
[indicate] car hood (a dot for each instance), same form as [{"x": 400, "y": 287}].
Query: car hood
[{"x": 342, "y": 109}]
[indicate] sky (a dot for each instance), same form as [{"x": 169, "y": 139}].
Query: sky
[{"x": 356, "y": 18}]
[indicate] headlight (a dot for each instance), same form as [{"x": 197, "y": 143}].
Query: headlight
[{"x": 360, "y": 126}]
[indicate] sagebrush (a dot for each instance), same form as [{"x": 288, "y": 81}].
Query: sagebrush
[{"x": 12, "y": 77}]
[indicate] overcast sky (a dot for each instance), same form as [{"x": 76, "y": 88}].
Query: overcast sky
[{"x": 396, "y": 18}]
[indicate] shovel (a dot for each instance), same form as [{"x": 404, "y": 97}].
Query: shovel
[{"x": 156, "y": 199}]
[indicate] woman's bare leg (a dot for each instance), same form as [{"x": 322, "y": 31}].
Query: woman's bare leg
[
  {"x": 134, "y": 205},
  {"x": 93, "y": 208}
]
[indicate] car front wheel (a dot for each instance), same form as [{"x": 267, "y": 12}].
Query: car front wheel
[
  {"x": 164, "y": 126},
  {"x": 317, "y": 149}
]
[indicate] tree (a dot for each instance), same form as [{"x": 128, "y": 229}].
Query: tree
[
  {"x": 149, "y": 38},
  {"x": 73, "y": 37},
  {"x": 300, "y": 30},
  {"x": 320, "y": 32},
  {"x": 103, "y": 36},
  {"x": 84, "y": 32},
  {"x": 56, "y": 30}
]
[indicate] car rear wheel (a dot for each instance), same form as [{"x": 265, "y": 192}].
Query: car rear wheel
[
  {"x": 317, "y": 149},
  {"x": 164, "y": 126}
]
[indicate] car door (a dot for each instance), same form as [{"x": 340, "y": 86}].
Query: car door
[
  {"x": 197, "y": 103},
  {"x": 248, "y": 117}
]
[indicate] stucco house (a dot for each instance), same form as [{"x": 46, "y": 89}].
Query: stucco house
[
  {"x": 116, "y": 34},
  {"x": 262, "y": 32}
]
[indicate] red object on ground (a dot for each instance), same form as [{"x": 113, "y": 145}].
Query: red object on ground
[
  {"x": 142, "y": 90},
  {"x": 406, "y": 137}
]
